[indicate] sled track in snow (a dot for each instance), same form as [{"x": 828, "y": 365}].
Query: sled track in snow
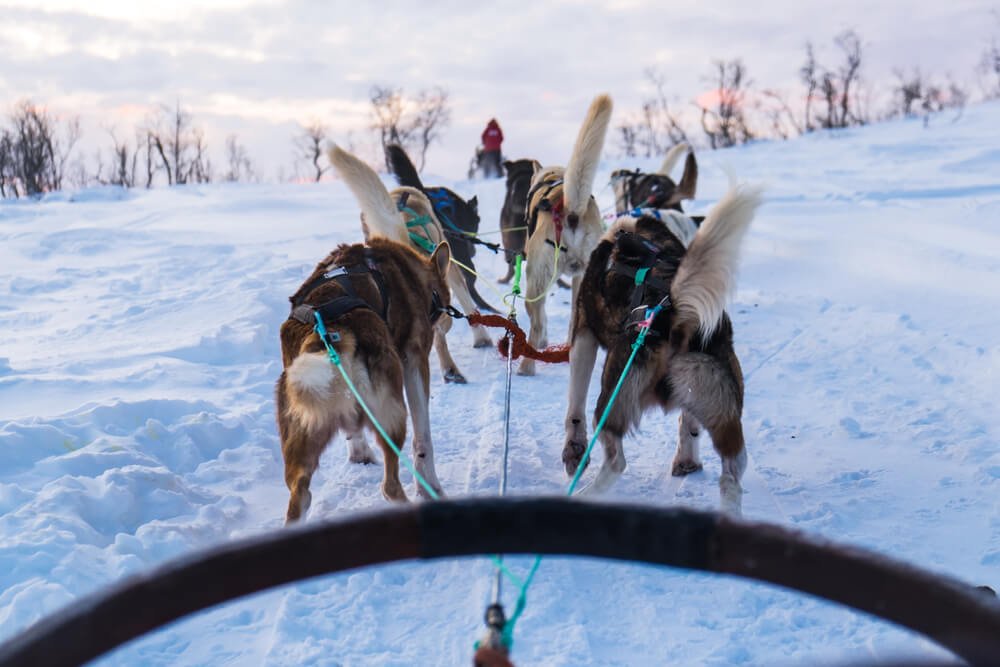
[{"x": 948, "y": 611}]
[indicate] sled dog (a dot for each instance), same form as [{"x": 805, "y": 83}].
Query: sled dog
[
  {"x": 564, "y": 222},
  {"x": 634, "y": 189},
  {"x": 459, "y": 218},
  {"x": 687, "y": 362},
  {"x": 382, "y": 304},
  {"x": 512, "y": 215}
]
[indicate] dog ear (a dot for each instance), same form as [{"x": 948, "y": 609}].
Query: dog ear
[
  {"x": 507, "y": 164},
  {"x": 474, "y": 203},
  {"x": 688, "y": 186},
  {"x": 441, "y": 258}
]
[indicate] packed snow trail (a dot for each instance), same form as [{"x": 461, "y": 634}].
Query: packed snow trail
[{"x": 139, "y": 350}]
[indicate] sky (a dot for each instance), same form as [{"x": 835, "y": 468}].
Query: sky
[{"x": 261, "y": 68}]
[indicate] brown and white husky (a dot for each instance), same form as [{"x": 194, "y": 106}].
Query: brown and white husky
[{"x": 382, "y": 304}]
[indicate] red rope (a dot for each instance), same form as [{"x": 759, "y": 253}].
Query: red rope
[{"x": 554, "y": 354}]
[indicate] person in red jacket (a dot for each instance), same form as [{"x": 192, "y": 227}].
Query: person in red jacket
[{"x": 492, "y": 138}]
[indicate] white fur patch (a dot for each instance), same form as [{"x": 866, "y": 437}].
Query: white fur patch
[
  {"x": 312, "y": 374},
  {"x": 707, "y": 274}
]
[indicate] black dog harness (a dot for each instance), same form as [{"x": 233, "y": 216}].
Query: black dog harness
[
  {"x": 649, "y": 255},
  {"x": 337, "y": 307}
]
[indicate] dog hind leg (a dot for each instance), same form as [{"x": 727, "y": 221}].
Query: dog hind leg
[
  {"x": 622, "y": 417},
  {"x": 300, "y": 449},
  {"x": 686, "y": 461},
  {"x": 707, "y": 389},
  {"x": 358, "y": 449}
]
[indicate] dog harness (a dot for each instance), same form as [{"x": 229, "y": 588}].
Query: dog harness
[
  {"x": 659, "y": 188},
  {"x": 555, "y": 208},
  {"x": 649, "y": 255},
  {"x": 337, "y": 307}
]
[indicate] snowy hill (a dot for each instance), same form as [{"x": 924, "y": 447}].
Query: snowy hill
[{"x": 139, "y": 349}]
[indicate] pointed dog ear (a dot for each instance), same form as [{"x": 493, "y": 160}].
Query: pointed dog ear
[
  {"x": 441, "y": 258},
  {"x": 688, "y": 186},
  {"x": 474, "y": 203}
]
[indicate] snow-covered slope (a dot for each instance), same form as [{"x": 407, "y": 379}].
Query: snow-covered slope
[{"x": 139, "y": 347}]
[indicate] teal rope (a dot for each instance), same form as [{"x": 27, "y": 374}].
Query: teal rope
[
  {"x": 522, "y": 598},
  {"x": 320, "y": 329}
]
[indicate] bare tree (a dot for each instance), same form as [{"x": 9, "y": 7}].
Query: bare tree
[
  {"x": 779, "y": 114},
  {"x": 8, "y": 175},
  {"x": 309, "y": 145},
  {"x": 431, "y": 116},
  {"x": 989, "y": 66},
  {"x": 850, "y": 72},
  {"x": 38, "y": 152},
  {"x": 179, "y": 146},
  {"x": 808, "y": 73},
  {"x": 723, "y": 121},
  {"x": 240, "y": 166},
  {"x": 124, "y": 162},
  {"x": 412, "y": 123},
  {"x": 656, "y": 127},
  {"x": 909, "y": 90}
]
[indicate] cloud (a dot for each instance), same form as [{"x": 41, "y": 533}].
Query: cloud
[{"x": 533, "y": 65}]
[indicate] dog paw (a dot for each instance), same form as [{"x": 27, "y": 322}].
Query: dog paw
[
  {"x": 453, "y": 376},
  {"x": 571, "y": 455},
  {"x": 394, "y": 492},
  {"x": 482, "y": 342},
  {"x": 730, "y": 495},
  {"x": 364, "y": 458},
  {"x": 423, "y": 493},
  {"x": 527, "y": 367},
  {"x": 682, "y": 468}
]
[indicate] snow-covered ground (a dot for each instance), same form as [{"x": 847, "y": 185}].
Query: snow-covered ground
[{"x": 139, "y": 348}]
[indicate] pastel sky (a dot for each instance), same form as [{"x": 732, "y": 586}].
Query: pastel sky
[{"x": 259, "y": 67}]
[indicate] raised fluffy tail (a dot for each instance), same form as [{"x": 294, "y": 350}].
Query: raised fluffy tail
[
  {"x": 671, "y": 158},
  {"x": 707, "y": 273},
  {"x": 377, "y": 206},
  {"x": 402, "y": 167},
  {"x": 578, "y": 181}
]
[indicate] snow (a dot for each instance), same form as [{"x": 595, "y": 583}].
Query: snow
[{"x": 139, "y": 349}]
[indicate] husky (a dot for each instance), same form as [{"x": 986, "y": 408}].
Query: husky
[
  {"x": 512, "y": 215},
  {"x": 564, "y": 222},
  {"x": 382, "y": 304},
  {"x": 687, "y": 362},
  {"x": 424, "y": 232},
  {"x": 459, "y": 218},
  {"x": 634, "y": 189}
]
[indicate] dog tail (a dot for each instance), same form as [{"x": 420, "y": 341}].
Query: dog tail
[
  {"x": 377, "y": 207},
  {"x": 707, "y": 273},
  {"x": 402, "y": 167},
  {"x": 671, "y": 158},
  {"x": 578, "y": 181}
]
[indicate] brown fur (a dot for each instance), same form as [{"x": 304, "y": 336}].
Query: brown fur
[
  {"x": 680, "y": 366},
  {"x": 418, "y": 202},
  {"x": 380, "y": 356}
]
